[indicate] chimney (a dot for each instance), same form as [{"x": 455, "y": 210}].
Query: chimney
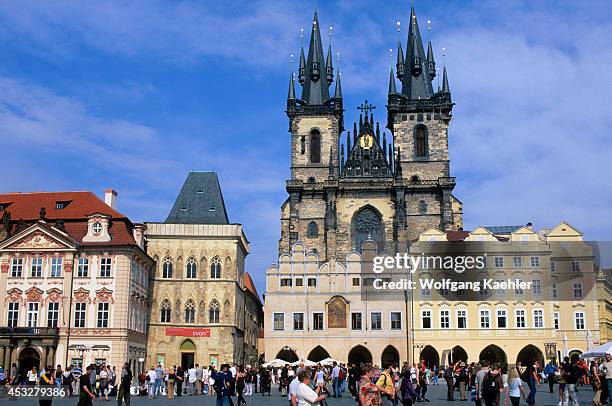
[{"x": 110, "y": 198}]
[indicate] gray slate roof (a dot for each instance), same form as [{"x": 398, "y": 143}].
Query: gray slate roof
[
  {"x": 503, "y": 229},
  {"x": 200, "y": 201}
]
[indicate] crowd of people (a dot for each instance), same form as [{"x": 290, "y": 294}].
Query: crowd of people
[{"x": 484, "y": 383}]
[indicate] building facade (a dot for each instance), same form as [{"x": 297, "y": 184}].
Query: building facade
[
  {"x": 205, "y": 308},
  {"x": 364, "y": 194},
  {"x": 74, "y": 277},
  {"x": 557, "y": 316}
]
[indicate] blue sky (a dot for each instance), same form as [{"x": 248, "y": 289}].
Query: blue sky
[{"x": 133, "y": 95}]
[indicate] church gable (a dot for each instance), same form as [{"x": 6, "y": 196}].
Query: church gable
[
  {"x": 39, "y": 236},
  {"x": 367, "y": 158}
]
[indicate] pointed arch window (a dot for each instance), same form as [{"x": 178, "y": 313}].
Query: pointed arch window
[
  {"x": 422, "y": 207},
  {"x": 367, "y": 225},
  {"x": 420, "y": 142},
  {"x": 190, "y": 311},
  {"x": 313, "y": 230},
  {"x": 166, "y": 312},
  {"x": 215, "y": 268},
  {"x": 167, "y": 268},
  {"x": 315, "y": 147},
  {"x": 191, "y": 268},
  {"x": 213, "y": 312}
]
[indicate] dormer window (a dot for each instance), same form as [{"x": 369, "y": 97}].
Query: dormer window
[
  {"x": 61, "y": 205},
  {"x": 3, "y": 206},
  {"x": 97, "y": 228},
  {"x": 184, "y": 208},
  {"x": 212, "y": 208}
]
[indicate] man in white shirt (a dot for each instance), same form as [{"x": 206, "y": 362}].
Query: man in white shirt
[
  {"x": 305, "y": 395},
  {"x": 336, "y": 379},
  {"x": 191, "y": 373},
  {"x": 293, "y": 387}
]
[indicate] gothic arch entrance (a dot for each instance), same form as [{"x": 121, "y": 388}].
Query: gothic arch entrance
[
  {"x": 430, "y": 356},
  {"x": 317, "y": 354},
  {"x": 457, "y": 354},
  {"x": 390, "y": 356},
  {"x": 530, "y": 354},
  {"x": 188, "y": 351},
  {"x": 367, "y": 225},
  {"x": 574, "y": 355},
  {"x": 287, "y": 354},
  {"x": 29, "y": 358},
  {"x": 493, "y": 354},
  {"x": 360, "y": 355}
]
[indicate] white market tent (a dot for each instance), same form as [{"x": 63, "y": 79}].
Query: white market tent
[
  {"x": 276, "y": 363},
  {"x": 599, "y": 351},
  {"x": 307, "y": 363},
  {"x": 328, "y": 361}
]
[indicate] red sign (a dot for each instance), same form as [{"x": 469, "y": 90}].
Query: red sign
[{"x": 187, "y": 332}]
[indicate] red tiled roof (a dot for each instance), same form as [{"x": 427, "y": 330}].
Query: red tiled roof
[
  {"x": 26, "y": 206},
  {"x": 250, "y": 286}
]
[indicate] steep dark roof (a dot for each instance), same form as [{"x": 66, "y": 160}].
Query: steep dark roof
[{"x": 200, "y": 201}]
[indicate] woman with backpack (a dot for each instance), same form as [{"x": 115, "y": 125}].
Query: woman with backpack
[{"x": 492, "y": 386}]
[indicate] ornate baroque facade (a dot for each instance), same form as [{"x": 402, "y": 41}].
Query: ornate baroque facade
[{"x": 205, "y": 308}]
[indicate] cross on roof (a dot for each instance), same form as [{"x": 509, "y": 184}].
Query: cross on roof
[{"x": 366, "y": 107}]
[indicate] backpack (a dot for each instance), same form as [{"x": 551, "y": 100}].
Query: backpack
[
  {"x": 490, "y": 388},
  {"x": 341, "y": 374},
  {"x": 219, "y": 384}
]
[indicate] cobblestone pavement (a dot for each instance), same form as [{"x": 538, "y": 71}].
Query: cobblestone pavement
[{"x": 436, "y": 394}]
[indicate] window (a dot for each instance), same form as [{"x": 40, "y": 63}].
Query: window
[
  {"x": 285, "y": 282},
  {"x": 190, "y": 312},
  {"x": 552, "y": 267},
  {"x": 56, "y": 267},
  {"x": 166, "y": 312},
  {"x": 299, "y": 282},
  {"x": 298, "y": 321},
  {"x": 315, "y": 147},
  {"x": 32, "y": 314},
  {"x": 461, "y": 318},
  {"x": 556, "y": 320},
  {"x": 425, "y": 291},
  {"x": 517, "y": 262},
  {"x": 356, "y": 282},
  {"x": 213, "y": 312},
  {"x": 97, "y": 228},
  {"x": 52, "y": 314},
  {"x": 105, "y": 267},
  {"x": 553, "y": 288},
  {"x": 575, "y": 266},
  {"x": 167, "y": 268},
  {"x": 420, "y": 141},
  {"x": 17, "y": 267},
  {"x": 577, "y": 290},
  {"x": 13, "y": 314},
  {"x": 499, "y": 262},
  {"x": 356, "y": 321},
  {"x": 313, "y": 230},
  {"x": 579, "y": 320},
  {"x": 376, "y": 321},
  {"x": 518, "y": 290},
  {"x": 80, "y": 310},
  {"x": 538, "y": 318},
  {"x": 312, "y": 282},
  {"x": 317, "y": 321},
  {"x": 422, "y": 207},
  {"x": 103, "y": 314},
  {"x": 519, "y": 315},
  {"x": 36, "y": 267},
  {"x": 502, "y": 319},
  {"x": 536, "y": 287},
  {"x": 426, "y": 318},
  {"x": 396, "y": 321},
  {"x": 192, "y": 268},
  {"x": 367, "y": 225},
  {"x": 534, "y": 262},
  {"x": 485, "y": 319},
  {"x": 444, "y": 318},
  {"x": 215, "y": 268},
  {"x": 83, "y": 268},
  {"x": 302, "y": 145}
]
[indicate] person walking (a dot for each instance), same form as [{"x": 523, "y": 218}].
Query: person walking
[
  {"x": 369, "y": 393},
  {"x": 199, "y": 379},
  {"x": 180, "y": 378},
  {"x": 240, "y": 385},
  {"x": 596, "y": 383},
  {"x": 125, "y": 384},
  {"x": 222, "y": 379},
  {"x": 449, "y": 374},
  {"x": 103, "y": 391},
  {"x": 492, "y": 387},
  {"x": 386, "y": 386},
  {"x": 151, "y": 376},
  {"x": 170, "y": 383},
  {"x": 192, "y": 378},
  {"x": 550, "y": 371},
  {"x": 480, "y": 375},
  {"x": 335, "y": 375},
  {"x": 305, "y": 395},
  {"x": 531, "y": 377},
  {"x": 407, "y": 393},
  {"x": 514, "y": 391},
  {"x": 86, "y": 394},
  {"x": 572, "y": 377}
]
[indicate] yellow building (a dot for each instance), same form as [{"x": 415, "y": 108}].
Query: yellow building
[
  {"x": 205, "y": 309},
  {"x": 315, "y": 310}
]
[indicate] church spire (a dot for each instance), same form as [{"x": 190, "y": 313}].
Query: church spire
[
  {"x": 400, "y": 61},
  {"x": 392, "y": 88},
  {"x": 291, "y": 95},
  {"x": 416, "y": 83},
  {"x": 431, "y": 64},
  {"x": 329, "y": 67},
  {"x": 302, "y": 69},
  {"x": 315, "y": 90},
  {"x": 445, "y": 87},
  {"x": 338, "y": 92}
]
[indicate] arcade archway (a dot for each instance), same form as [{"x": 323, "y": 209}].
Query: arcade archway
[
  {"x": 493, "y": 354},
  {"x": 287, "y": 354},
  {"x": 430, "y": 356},
  {"x": 457, "y": 354},
  {"x": 318, "y": 353},
  {"x": 29, "y": 358},
  {"x": 529, "y": 355},
  {"x": 390, "y": 356},
  {"x": 359, "y": 355}
]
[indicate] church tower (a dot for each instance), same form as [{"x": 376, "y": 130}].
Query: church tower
[{"x": 346, "y": 189}]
